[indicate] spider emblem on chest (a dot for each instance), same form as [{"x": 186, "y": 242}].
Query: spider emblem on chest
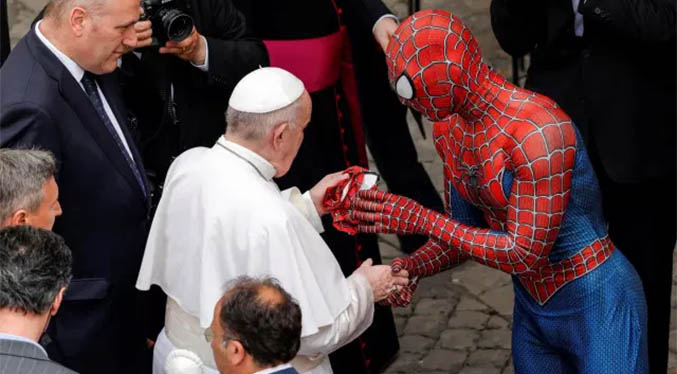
[{"x": 470, "y": 175}]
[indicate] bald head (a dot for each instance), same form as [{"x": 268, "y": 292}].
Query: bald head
[
  {"x": 59, "y": 9},
  {"x": 264, "y": 318}
]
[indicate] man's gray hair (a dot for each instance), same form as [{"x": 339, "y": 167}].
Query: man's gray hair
[
  {"x": 254, "y": 126},
  {"x": 35, "y": 264},
  {"x": 23, "y": 173}
]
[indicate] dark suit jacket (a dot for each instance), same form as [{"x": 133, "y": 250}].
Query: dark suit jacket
[
  {"x": 105, "y": 213},
  {"x": 200, "y": 98},
  {"x": 24, "y": 358},
  {"x": 4, "y": 32},
  {"x": 617, "y": 82}
]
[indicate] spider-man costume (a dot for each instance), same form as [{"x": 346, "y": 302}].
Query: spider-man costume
[{"x": 522, "y": 198}]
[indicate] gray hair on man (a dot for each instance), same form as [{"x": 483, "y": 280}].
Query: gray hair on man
[
  {"x": 254, "y": 126},
  {"x": 23, "y": 173}
]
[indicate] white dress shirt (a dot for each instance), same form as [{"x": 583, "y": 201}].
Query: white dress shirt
[
  {"x": 272, "y": 370},
  {"x": 578, "y": 18},
  {"x": 78, "y": 72}
]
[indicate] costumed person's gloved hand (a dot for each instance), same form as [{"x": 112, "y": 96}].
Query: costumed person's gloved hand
[
  {"x": 430, "y": 259},
  {"x": 380, "y": 212},
  {"x": 382, "y": 280},
  {"x": 338, "y": 198}
]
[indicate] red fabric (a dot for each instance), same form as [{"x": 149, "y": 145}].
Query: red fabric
[
  {"x": 338, "y": 207},
  {"x": 316, "y": 61}
]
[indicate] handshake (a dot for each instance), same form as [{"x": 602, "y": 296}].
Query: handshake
[
  {"x": 342, "y": 194},
  {"x": 385, "y": 283}
]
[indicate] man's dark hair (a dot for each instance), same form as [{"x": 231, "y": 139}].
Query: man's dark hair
[
  {"x": 269, "y": 328},
  {"x": 34, "y": 265}
]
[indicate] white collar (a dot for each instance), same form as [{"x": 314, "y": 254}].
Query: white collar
[
  {"x": 265, "y": 168},
  {"x": 272, "y": 370},
  {"x": 6, "y": 336},
  {"x": 76, "y": 71}
]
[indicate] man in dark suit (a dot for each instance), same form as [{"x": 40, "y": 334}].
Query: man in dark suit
[
  {"x": 35, "y": 268},
  {"x": 57, "y": 94},
  {"x": 179, "y": 90},
  {"x": 611, "y": 65}
]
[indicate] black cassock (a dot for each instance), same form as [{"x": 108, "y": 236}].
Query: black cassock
[{"x": 330, "y": 145}]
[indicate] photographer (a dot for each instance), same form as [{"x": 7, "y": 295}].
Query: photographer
[{"x": 177, "y": 91}]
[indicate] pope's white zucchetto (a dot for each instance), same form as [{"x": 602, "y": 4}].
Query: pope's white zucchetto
[{"x": 265, "y": 90}]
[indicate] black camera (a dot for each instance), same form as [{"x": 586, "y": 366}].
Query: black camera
[{"x": 169, "y": 20}]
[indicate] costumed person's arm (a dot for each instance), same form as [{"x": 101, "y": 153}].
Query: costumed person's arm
[
  {"x": 649, "y": 21},
  {"x": 536, "y": 207},
  {"x": 519, "y": 25},
  {"x": 435, "y": 256}
]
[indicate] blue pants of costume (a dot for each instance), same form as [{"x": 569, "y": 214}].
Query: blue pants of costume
[{"x": 594, "y": 325}]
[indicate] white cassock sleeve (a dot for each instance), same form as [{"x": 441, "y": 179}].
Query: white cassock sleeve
[
  {"x": 347, "y": 326},
  {"x": 305, "y": 205}
]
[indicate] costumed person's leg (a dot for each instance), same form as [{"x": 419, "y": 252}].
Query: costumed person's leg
[
  {"x": 531, "y": 353},
  {"x": 610, "y": 336}
]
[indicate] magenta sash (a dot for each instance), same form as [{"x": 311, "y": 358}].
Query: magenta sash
[{"x": 316, "y": 62}]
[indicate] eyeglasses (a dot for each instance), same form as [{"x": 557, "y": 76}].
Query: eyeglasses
[{"x": 209, "y": 336}]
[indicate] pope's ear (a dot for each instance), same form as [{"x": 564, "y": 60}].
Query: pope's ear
[{"x": 280, "y": 134}]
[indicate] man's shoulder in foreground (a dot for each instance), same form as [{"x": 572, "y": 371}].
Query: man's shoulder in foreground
[{"x": 19, "y": 357}]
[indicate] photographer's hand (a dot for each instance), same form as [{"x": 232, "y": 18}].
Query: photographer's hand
[
  {"x": 192, "y": 49},
  {"x": 144, "y": 34}
]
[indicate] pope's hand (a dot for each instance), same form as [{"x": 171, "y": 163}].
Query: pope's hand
[
  {"x": 320, "y": 189},
  {"x": 382, "y": 280},
  {"x": 383, "y": 30}
]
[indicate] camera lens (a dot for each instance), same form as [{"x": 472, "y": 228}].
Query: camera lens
[{"x": 177, "y": 24}]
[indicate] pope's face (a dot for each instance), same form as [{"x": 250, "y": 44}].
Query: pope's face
[{"x": 295, "y": 136}]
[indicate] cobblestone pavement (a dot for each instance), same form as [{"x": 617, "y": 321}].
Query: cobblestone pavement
[{"x": 459, "y": 321}]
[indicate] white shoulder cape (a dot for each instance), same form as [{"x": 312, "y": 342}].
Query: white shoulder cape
[{"x": 218, "y": 219}]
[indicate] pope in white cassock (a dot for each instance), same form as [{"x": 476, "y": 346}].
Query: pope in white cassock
[{"x": 222, "y": 216}]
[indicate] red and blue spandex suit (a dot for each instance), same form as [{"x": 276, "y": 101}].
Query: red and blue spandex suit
[{"x": 521, "y": 197}]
